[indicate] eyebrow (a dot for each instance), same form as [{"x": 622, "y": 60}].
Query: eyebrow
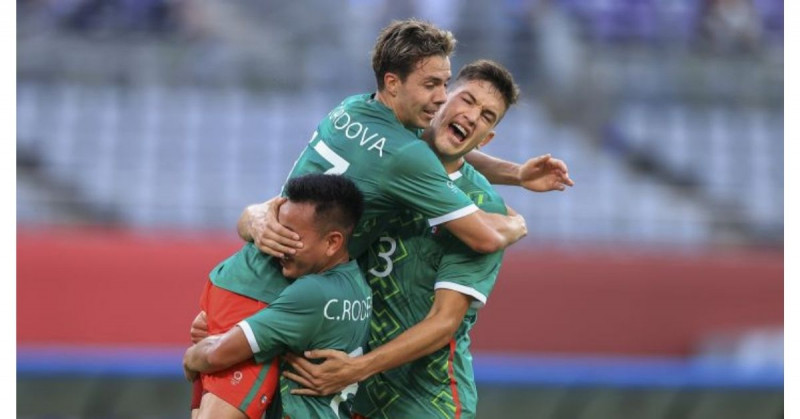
[
  {"x": 435, "y": 79},
  {"x": 487, "y": 110}
]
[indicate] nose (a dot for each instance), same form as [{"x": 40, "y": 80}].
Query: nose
[
  {"x": 440, "y": 95},
  {"x": 472, "y": 115}
]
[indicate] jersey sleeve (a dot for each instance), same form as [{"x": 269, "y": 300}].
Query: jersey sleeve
[
  {"x": 463, "y": 270},
  {"x": 289, "y": 322},
  {"x": 417, "y": 180}
]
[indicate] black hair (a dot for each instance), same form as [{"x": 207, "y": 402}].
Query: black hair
[{"x": 338, "y": 204}]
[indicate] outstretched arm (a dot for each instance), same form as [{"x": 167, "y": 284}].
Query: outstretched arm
[
  {"x": 539, "y": 174},
  {"x": 424, "y": 338}
]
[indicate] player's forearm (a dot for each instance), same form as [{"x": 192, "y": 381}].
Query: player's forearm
[
  {"x": 510, "y": 228},
  {"x": 198, "y": 357},
  {"x": 497, "y": 171},
  {"x": 424, "y": 338},
  {"x": 481, "y": 233}
]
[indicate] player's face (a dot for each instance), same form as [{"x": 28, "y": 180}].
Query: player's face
[
  {"x": 468, "y": 118},
  {"x": 423, "y": 92},
  {"x": 312, "y": 258}
]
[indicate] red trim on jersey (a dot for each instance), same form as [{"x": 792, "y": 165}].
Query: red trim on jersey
[{"x": 453, "y": 383}]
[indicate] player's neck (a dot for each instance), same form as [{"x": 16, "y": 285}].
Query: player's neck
[
  {"x": 384, "y": 98},
  {"x": 336, "y": 260},
  {"x": 453, "y": 166},
  {"x": 388, "y": 101}
]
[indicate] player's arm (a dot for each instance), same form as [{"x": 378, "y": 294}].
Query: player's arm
[
  {"x": 424, "y": 338},
  {"x": 539, "y": 174},
  {"x": 216, "y": 353},
  {"x": 415, "y": 179},
  {"x": 487, "y": 233},
  {"x": 259, "y": 224}
]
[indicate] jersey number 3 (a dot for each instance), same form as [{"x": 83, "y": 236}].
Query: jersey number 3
[{"x": 386, "y": 255}]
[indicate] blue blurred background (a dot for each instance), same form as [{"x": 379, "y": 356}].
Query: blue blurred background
[{"x": 150, "y": 124}]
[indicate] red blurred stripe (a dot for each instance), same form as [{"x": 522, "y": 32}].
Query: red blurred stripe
[{"x": 114, "y": 287}]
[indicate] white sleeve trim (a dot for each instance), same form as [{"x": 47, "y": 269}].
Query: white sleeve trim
[
  {"x": 479, "y": 300},
  {"x": 251, "y": 337},
  {"x": 463, "y": 212}
]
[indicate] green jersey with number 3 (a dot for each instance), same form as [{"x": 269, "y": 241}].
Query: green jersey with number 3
[
  {"x": 405, "y": 267},
  {"x": 395, "y": 170}
]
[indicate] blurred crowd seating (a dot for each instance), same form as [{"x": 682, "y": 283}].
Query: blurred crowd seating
[
  {"x": 183, "y": 126},
  {"x": 673, "y": 21},
  {"x": 191, "y": 157}
]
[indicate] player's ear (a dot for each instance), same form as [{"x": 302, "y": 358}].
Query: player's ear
[
  {"x": 391, "y": 83},
  {"x": 486, "y": 140},
  {"x": 334, "y": 241}
]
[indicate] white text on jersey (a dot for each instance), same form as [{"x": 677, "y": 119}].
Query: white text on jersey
[
  {"x": 353, "y": 129},
  {"x": 358, "y": 310}
]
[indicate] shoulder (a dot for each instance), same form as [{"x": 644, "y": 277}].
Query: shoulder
[
  {"x": 416, "y": 156},
  {"x": 364, "y": 109},
  {"x": 478, "y": 188},
  {"x": 333, "y": 277},
  {"x": 304, "y": 290}
]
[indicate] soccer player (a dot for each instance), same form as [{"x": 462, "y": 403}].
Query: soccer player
[
  {"x": 328, "y": 303},
  {"x": 427, "y": 285}
]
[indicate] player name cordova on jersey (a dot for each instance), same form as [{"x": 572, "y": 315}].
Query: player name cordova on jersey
[
  {"x": 353, "y": 130},
  {"x": 353, "y": 310}
]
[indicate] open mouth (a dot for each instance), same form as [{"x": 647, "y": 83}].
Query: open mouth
[{"x": 458, "y": 131}]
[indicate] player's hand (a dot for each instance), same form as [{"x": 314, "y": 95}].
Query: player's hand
[
  {"x": 520, "y": 227},
  {"x": 544, "y": 174},
  {"x": 190, "y": 374},
  {"x": 199, "y": 328},
  {"x": 269, "y": 235},
  {"x": 330, "y": 377},
  {"x": 510, "y": 211}
]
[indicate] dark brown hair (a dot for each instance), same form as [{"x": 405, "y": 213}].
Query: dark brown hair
[
  {"x": 494, "y": 73},
  {"x": 404, "y": 43}
]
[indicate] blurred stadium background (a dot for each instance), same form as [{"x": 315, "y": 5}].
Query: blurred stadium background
[{"x": 652, "y": 289}]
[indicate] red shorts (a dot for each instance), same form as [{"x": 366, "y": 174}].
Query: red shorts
[{"x": 248, "y": 386}]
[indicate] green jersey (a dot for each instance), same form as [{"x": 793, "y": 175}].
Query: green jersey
[
  {"x": 326, "y": 310},
  {"x": 395, "y": 170},
  {"x": 405, "y": 267}
]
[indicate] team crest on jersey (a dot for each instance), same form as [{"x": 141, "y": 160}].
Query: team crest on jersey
[
  {"x": 237, "y": 378},
  {"x": 435, "y": 230},
  {"x": 264, "y": 399}
]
